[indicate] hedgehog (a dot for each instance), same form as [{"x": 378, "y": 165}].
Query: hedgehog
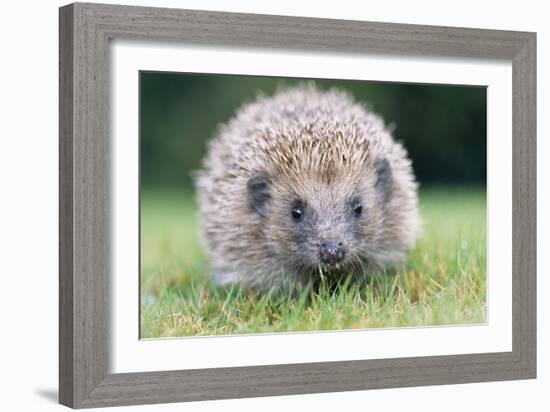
[{"x": 305, "y": 185}]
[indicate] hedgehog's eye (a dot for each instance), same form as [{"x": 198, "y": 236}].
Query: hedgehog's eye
[
  {"x": 357, "y": 208},
  {"x": 297, "y": 212}
]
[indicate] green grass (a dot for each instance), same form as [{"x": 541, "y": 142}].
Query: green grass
[{"x": 442, "y": 283}]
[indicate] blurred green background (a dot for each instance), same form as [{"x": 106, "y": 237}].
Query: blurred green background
[{"x": 443, "y": 127}]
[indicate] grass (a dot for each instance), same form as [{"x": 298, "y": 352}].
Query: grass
[{"x": 442, "y": 283}]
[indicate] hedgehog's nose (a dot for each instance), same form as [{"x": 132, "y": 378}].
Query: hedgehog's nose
[{"x": 332, "y": 251}]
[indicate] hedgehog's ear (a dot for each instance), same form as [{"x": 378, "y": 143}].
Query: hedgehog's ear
[
  {"x": 384, "y": 178},
  {"x": 259, "y": 192}
]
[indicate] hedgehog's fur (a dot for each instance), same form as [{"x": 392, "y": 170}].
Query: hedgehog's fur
[{"x": 319, "y": 148}]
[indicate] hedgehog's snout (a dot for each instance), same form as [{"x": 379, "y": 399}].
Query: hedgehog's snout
[{"x": 332, "y": 251}]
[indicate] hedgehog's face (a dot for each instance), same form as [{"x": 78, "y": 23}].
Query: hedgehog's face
[
  {"x": 322, "y": 226},
  {"x": 321, "y": 229}
]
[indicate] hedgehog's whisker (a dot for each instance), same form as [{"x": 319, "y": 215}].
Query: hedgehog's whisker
[{"x": 361, "y": 264}]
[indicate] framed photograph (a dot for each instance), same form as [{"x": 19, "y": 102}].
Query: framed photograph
[{"x": 256, "y": 205}]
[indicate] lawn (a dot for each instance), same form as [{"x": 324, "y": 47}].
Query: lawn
[{"x": 442, "y": 283}]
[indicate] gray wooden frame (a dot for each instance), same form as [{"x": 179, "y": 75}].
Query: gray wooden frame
[{"x": 85, "y": 31}]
